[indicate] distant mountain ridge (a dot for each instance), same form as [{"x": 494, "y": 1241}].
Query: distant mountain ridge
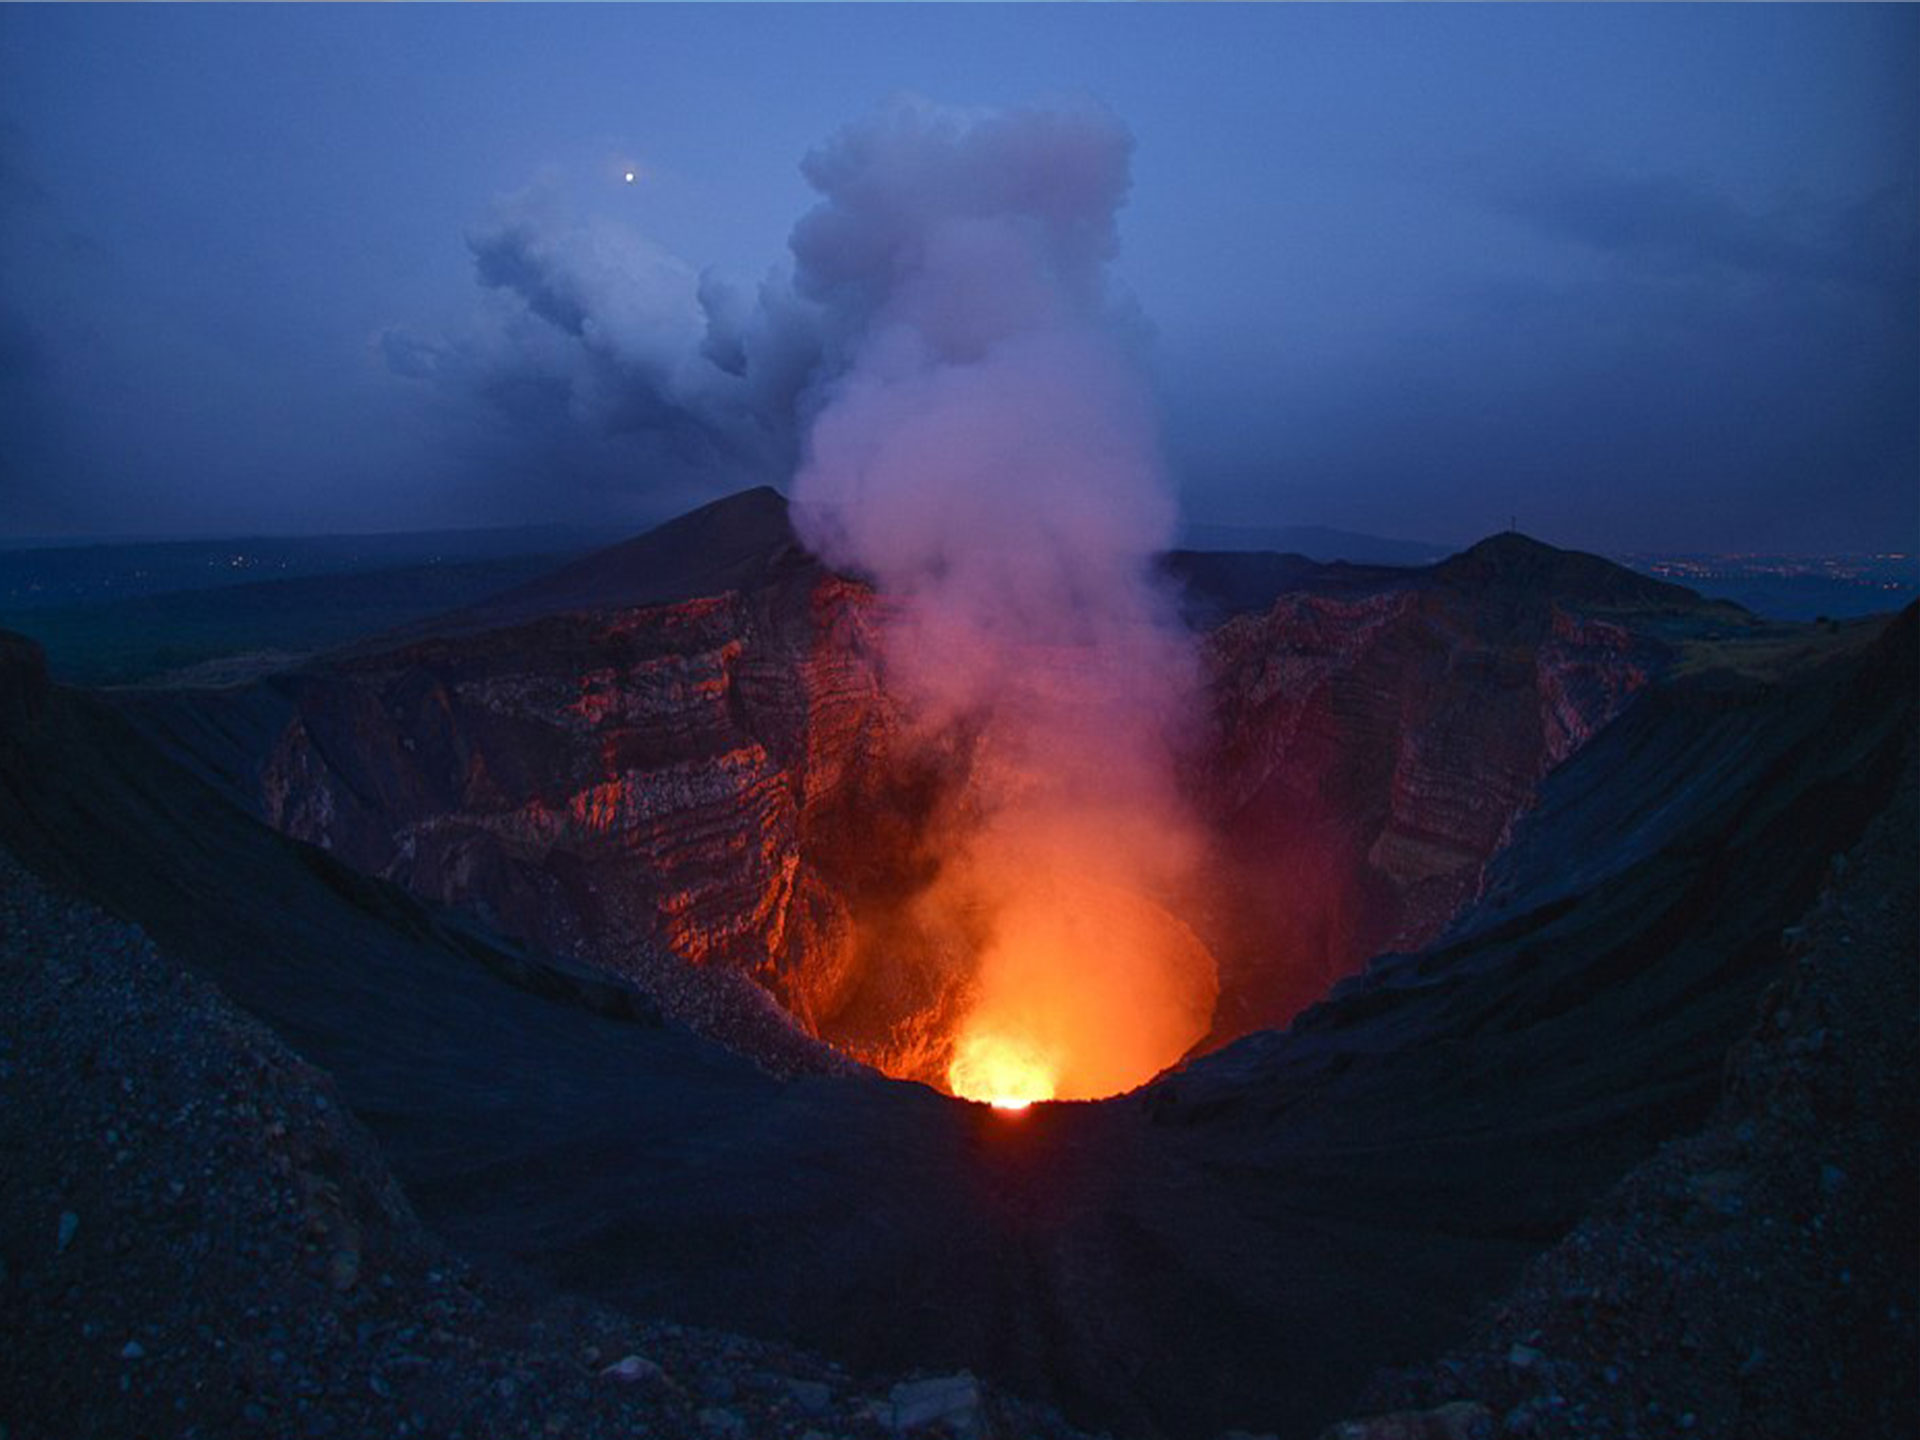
[
  {"x": 60, "y": 573},
  {"x": 1511, "y": 562},
  {"x": 1324, "y": 543},
  {"x": 725, "y": 545}
]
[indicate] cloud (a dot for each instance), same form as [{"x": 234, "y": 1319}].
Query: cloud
[
  {"x": 944, "y": 373},
  {"x": 29, "y": 492},
  {"x": 1717, "y": 365},
  {"x": 594, "y": 353},
  {"x": 616, "y": 292},
  {"x": 1682, "y": 226},
  {"x": 35, "y": 494},
  {"x": 19, "y": 186},
  {"x": 589, "y": 336},
  {"x": 962, "y": 225}
]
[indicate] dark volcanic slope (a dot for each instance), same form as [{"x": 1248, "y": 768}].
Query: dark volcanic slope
[
  {"x": 1755, "y": 1279},
  {"x": 731, "y": 544},
  {"x": 1375, "y": 735},
  {"x": 680, "y": 759},
  {"x": 198, "y": 1238},
  {"x": 620, "y": 761},
  {"x": 1240, "y": 1245},
  {"x": 1215, "y": 585}
]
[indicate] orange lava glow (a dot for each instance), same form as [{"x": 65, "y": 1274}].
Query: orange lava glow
[
  {"x": 1086, "y": 990},
  {"x": 1001, "y": 1071}
]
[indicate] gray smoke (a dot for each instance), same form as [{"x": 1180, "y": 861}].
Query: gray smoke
[
  {"x": 947, "y": 375},
  {"x": 985, "y": 450},
  {"x": 611, "y": 360}
]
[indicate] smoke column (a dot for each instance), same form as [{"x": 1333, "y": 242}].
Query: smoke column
[{"x": 986, "y": 454}]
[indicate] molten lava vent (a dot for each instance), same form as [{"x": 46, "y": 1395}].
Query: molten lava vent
[
  {"x": 1086, "y": 990},
  {"x": 989, "y": 461}
]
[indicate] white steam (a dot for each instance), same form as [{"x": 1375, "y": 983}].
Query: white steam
[
  {"x": 948, "y": 368},
  {"x": 988, "y": 457}
]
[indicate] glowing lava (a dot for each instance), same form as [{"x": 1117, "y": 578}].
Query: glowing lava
[
  {"x": 1086, "y": 990},
  {"x": 1005, "y": 1073}
]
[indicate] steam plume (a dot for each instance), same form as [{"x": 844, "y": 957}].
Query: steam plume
[
  {"x": 946, "y": 354},
  {"x": 986, "y": 455},
  {"x": 616, "y": 360}
]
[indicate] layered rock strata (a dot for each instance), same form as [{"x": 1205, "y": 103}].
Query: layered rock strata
[{"x": 716, "y": 787}]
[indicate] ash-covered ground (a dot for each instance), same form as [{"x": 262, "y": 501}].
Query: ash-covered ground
[
  {"x": 197, "y": 1239},
  {"x": 1761, "y": 1278}
]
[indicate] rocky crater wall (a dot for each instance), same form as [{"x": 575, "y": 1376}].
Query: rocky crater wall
[{"x": 720, "y": 788}]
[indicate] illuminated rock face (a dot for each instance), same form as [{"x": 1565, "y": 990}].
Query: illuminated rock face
[
  {"x": 1369, "y": 754},
  {"x": 634, "y": 787},
  {"x": 719, "y": 788}
]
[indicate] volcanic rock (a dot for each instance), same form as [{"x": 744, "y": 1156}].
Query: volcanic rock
[
  {"x": 634, "y": 785},
  {"x": 1460, "y": 1420},
  {"x": 120, "y": 1068},
  {"x": 1311, "y": 1205},
  {"x": 952, "y": 1403},
  {"x": 1372, "y": 752},
  {"x": 1728, "y": 1286},
  {"x": 679, "y": 759},
  {"x": 632, "y": 1369},
  {"x": 23, "y": 682}
]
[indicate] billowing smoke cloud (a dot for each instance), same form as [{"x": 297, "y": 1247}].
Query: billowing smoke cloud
[
  {"x": 947, "y": 367},
  {"x": 614, "y": 365},
  {"x": 986, "y": 454}
]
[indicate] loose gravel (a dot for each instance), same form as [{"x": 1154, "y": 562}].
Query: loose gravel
[
  {"x": 197, "y": 1239},
  {"x": 1759, "y": 1280}
]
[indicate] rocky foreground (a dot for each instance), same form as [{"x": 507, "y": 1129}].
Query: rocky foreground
[
  {"x": 1759, "y": 1279},
  {"x": 1243, "y": 1244},
  {"x": 197, "y": 1239}
]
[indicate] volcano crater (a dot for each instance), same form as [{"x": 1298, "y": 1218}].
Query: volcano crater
[{"x": 1564, "y": 812}]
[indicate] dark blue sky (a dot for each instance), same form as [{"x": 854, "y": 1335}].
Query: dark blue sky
[{"x": 1645, "y": 277}]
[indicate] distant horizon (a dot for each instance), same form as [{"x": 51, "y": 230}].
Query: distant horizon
[
  {"x": 615, "y": 530},
  {"x": 1644, "y": 277}
]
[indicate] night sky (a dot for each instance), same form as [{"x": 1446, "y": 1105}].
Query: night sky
[{"x": 1645, "y": 278}]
